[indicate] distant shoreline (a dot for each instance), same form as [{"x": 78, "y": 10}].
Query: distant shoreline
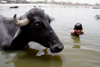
[
  {"x": 46, "y": 5},
  {"x": 28, "y": 5}
]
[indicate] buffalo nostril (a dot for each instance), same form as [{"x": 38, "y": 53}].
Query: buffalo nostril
[
  {"x": 59, "y": 47},
  {"x": 56, "y": 48}
]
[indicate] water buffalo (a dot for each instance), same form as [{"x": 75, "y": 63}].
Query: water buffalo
[
  {"x": 32, "y": 26},
  {"x": 97, "y": 17}
]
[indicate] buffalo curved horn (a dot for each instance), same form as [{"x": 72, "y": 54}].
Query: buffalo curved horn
[{"x": 21, "y": 22}]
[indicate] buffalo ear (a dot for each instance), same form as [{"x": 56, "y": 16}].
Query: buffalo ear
[
  {"x": 17, "y": 42},
  {"x": 16, "y": 37},
  {"x": 50, "y": 19},
  {"x": 17, "y": 34}
]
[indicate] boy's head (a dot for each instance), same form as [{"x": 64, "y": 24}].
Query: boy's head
[{"x": 78, "y": 28}]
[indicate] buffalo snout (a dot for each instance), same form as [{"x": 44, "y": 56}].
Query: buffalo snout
[{"x": 57, "y": 48}]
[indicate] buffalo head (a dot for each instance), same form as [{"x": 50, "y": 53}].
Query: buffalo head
[{"x": 36, "y": 27}]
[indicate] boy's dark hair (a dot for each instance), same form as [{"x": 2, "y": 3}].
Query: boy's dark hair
[{"x": 78, "y": 26}]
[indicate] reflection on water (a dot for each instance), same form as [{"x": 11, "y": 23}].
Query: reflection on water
[
  {"x": 76, "y": 40},
  {"x": 76, "y": 46},
  {"x": 27, "y": 58}
]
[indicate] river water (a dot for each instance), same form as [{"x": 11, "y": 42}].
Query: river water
[{"x": 82, "y": 51}]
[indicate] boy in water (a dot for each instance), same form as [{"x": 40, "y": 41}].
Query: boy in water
[{"x": 77, "y": 29}]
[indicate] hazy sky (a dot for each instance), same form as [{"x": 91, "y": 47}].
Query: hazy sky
[{"x": 74, "y": 1}]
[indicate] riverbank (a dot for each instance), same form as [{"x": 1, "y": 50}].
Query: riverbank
[
  {"x": 28, "y": 5},
  {"x": 47, "y": 5}
]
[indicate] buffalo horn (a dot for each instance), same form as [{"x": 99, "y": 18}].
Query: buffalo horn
[{"x": 21, "y": 22}]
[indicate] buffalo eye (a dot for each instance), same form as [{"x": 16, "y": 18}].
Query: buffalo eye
[{"x": 37, "y": 24}]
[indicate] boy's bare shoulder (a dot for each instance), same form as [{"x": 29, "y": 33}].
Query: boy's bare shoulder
[
  {"x": 82, "y": 32},
  {"x": 72, "y": 33}
]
